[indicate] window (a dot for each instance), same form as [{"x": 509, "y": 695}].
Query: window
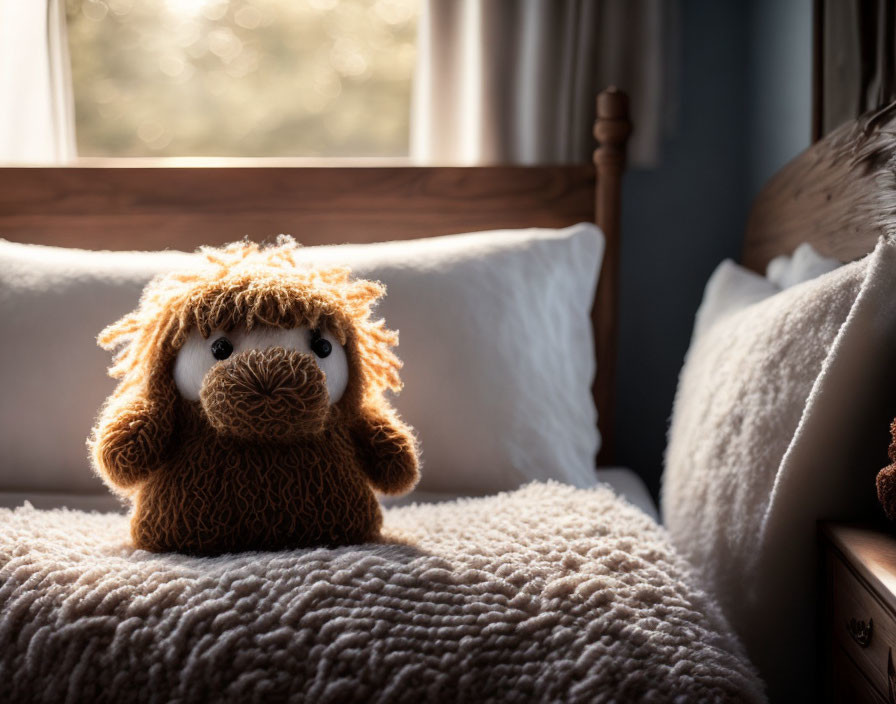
[{"x": 242, "y": 77}]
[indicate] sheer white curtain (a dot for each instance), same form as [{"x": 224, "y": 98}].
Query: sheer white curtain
[
  {"x": 36, "y": 107},
  {"x": 514, "y": 81}
]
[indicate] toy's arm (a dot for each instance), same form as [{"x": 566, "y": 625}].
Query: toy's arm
[
  {"x": 387, "y": 450},
  {"x": 132, "y": 435},
  {"x": 886, "y": 479},
  {"x": 886, "y": 490}
]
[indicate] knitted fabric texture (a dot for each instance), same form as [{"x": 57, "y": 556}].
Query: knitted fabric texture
[
  {"x": 261, "y": 461},
  {"x": 548, "y": 593}
]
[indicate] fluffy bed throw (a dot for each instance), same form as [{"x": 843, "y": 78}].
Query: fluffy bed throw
[{"x": 548, "y": 593}]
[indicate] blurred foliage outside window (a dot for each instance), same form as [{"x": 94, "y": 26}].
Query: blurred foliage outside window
[{"x": 326, "y": 78}]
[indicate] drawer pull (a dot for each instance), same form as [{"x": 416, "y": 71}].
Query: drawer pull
[{"x": 861, "y": 631}]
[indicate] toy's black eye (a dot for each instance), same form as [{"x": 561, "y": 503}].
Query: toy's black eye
[
  {"x": 222, "y": 348},
  {"x": 319, "y": 345}
]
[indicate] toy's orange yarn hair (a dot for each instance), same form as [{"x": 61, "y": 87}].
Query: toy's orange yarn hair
[{"x": 225, "y": 290}]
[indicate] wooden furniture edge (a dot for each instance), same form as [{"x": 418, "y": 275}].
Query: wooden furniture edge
[
  {"x": 838, "y": 195},
  {"x": 843, "y": 536},
  {"x": 611, "y": 129},
  {"x": 817, "y": 127}
]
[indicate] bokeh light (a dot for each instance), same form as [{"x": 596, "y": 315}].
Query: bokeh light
[{"x": 242, "y": 77}]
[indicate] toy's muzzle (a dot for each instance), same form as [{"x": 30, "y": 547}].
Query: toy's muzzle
[{"x": 272, "y": 395}]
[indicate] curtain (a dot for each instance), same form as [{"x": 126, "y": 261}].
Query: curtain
[
  {"x": 856, "y": 58},
  {"x": 514, "y": 81},
  {"x": 36, "y": 106}
]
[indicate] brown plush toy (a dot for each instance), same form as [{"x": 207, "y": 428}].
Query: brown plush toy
[
  {"x": 250, "y": 412},
  {"x": 886, "y": 479}
]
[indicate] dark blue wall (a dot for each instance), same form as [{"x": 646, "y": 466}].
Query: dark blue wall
[
  {"x": 780, "y": 88},
  {"x": 681, "y": 219}
]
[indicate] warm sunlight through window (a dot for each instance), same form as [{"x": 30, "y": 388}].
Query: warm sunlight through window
[{"x": 242, "y": 77}]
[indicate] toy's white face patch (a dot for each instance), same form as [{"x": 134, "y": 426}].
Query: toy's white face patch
[{"x": 199, "y": 354}]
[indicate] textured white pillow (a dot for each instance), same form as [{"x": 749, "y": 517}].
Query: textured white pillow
[
  {"x": 804, "y": 264},
  {"x": 730, "y": 289},
  {"x": 780, "y": 419},
  {"x": 495, "y": 334}
]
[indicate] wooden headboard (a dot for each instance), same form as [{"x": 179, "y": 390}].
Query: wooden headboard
[
  {"x": 839, "y": 195},
  {"x": 181, "y": 204}
]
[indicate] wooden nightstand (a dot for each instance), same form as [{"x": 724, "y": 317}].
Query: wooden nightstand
[{"x": 858, "y": 614}]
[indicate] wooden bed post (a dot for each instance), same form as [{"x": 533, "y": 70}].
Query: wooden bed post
[{"x": 612, "y": 129}]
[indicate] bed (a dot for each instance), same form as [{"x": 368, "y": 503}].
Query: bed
[{"x": 547, "y": 592}]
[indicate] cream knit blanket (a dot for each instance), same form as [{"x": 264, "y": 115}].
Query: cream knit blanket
[{"x": 548, "y": 593}]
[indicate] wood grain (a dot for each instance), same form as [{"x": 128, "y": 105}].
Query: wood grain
[
  {"x": 122, "y": 207},
  {"x": 871, "y": 553},
  {"x": 846, "y": 683},
  {"x": 860, "y": 588},
  {"x": 852, "y": 599},
  {"x": 839, "y": 195}
]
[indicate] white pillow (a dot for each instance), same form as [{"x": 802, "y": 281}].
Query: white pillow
[
  {"x": 730, "y": 289},
  {"x": 803, "y": 265},
  {"x": 780, "y": 419},
  {"x": 495, "y": 334}
]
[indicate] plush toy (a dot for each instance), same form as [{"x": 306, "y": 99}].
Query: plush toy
[
  {"x": 250, "y": 412},
  {"x": 886, "y": 479}
]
